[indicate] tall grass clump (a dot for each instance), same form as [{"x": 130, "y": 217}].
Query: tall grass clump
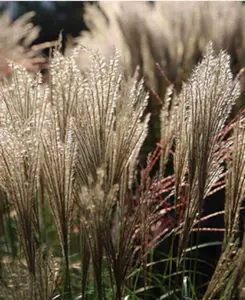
[
  {"x": 170, "y": 35},
  {"x": 82, "y": 218},
  {"x": 68, "y": 149}
]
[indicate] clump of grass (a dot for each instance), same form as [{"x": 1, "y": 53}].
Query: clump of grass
[
  {"x": 70, "y": 152},
  {"x": 67, "y": 143},
  {"x": 171, "y": 35}
]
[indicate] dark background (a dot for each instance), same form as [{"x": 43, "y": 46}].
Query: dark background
[{"x": 51, "y": 16}]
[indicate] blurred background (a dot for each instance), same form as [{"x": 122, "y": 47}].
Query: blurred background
[{"x": 51, "y": 16}]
